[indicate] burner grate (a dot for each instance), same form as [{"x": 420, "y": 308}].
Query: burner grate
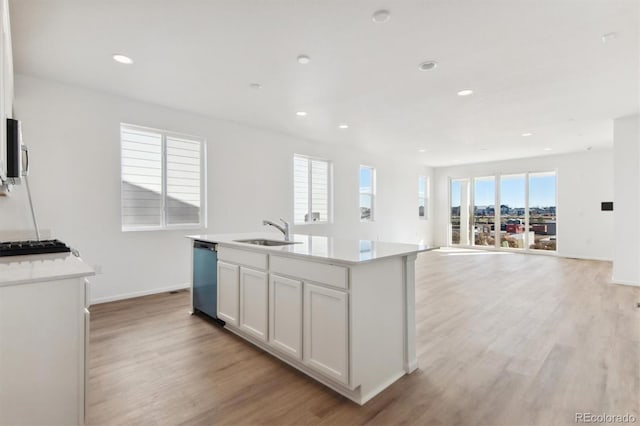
[{"x": 19, "y": 248}]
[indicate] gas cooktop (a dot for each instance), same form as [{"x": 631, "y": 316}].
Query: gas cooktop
[{"x": 20, "y": 248}]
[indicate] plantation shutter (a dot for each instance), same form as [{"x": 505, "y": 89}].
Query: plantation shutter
[
  {"x": 311, "y": 190},
  {"x": 141, "y": 177},
  {"x": 300, "y": 189},
  {"x": 161, "y": 179},
  {"x": 183, "y": 181},
  {"x": 319, "y": 191}
]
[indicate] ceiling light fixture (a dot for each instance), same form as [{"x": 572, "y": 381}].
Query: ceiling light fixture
[
  {"x": 547, "y": 149},
  {"x": 608, "y": 37},
  {"x": 526, "y": 135},
  {"x": 465, "y": 92},
  {"x": 427, "y": 65},
  {"x": 343, "y": 126},
  {"x": 422, "y": 150},
  {"x": 381, "y": 16},
  {"x": 301, "y": 114},
  {"x": 122, "y": 59},
  {"x": 255, "y": 86},
  {"x": 303, "y": 59}
]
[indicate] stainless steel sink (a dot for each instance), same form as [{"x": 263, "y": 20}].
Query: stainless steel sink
[{"x": 265, "y": 242}]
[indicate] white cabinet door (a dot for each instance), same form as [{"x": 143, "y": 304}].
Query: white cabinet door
[
  {"x": 42, "y": 344},
  {"x": 254, "y": 302},
  {"x": 326, "y": 326},
  {"x": 285, "y": 315},
  {"x": 228, "y": 292}
]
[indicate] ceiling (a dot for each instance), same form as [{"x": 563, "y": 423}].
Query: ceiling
[{"x": 535, "y": 66}]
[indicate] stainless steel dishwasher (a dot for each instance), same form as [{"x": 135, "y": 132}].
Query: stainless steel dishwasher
[{"x": 205, "y": 279}]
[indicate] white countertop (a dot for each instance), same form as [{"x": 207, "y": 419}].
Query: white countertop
[
  {"x": 314, "y": 246},
  {"x": 41, "y": 267}
]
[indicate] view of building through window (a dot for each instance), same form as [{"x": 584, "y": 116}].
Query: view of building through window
[
  {"x": 367, "y": 193},
  {"x": 526, "y": 213},
  {"x": 484, "y": 212}
]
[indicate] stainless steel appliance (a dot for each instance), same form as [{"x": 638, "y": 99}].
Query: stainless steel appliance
[{"x": 205, "y": 279}]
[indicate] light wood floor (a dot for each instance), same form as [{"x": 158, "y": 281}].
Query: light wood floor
[{"x": 502, "y": 339}]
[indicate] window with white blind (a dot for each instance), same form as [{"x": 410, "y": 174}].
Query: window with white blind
[
  {"x": 367, "y": 193},
  {"x": 311, "y": 190},
  {"x": 422, "y": 197},
  {"x": 162, "y": 179}
]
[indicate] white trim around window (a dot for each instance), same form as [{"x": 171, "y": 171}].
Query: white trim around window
[
  {"x": 367, "y": 193},
  {"x": 312, "y": 190},
  {"x": 163, "y": 179}
]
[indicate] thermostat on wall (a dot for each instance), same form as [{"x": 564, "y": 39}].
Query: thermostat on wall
[{"x": 607, "y": 206}]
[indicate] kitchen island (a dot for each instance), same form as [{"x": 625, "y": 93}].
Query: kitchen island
[{"x": 341, "y": 311}]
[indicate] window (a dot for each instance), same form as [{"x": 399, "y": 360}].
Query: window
[
  {"x": 422, "y": 197},
  {"x": 162, "y": 179},
  {"x": 484, "y": 211},
  {"x": 311, "y": 190},
  {"x": 367, "y": 193},
  {"x": 523, "y": 219}
]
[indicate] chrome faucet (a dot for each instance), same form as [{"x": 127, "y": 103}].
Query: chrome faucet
[{"x": 284, "y": 229}]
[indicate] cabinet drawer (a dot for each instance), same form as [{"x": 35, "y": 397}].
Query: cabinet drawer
[
  {"x": 243, "y": 257},
  {"x": 332, "y": 275}
]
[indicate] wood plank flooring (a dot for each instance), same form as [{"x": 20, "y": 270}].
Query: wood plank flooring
[{"x": 502, "y": 339}]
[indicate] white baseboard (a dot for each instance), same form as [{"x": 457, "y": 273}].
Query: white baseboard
[
  {"x": 614, "y": 280},
  {"x": 583, "y": 257},
  {"x": 99, "y": 300}
]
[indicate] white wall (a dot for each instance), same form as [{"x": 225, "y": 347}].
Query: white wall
[
  {"x": 626, "y": 147},
  {"x": 73, "y": 136},
  {"x": 584, "y": 180}
]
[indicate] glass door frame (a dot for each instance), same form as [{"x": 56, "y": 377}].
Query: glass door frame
[{"x": 471, "y": 213}]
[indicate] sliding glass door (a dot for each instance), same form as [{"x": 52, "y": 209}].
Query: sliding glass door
[
  {"x": 524, "y": 220},
  {"x": 484, "y": 211},
  {"x": 542, "y": 211},
  {"x": 459, "y": 212},
  {"x": 513, "y": 209}
]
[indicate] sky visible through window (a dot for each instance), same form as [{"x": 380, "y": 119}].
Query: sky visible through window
[
  {"x": 365, "y": 186},
  {"x": 542, "y": 191},
  {"x": 365, "y": 179}
]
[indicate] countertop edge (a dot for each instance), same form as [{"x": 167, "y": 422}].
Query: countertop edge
[
  {"x": 275, "y": 251},
  {"x": 32, "y": 280}
]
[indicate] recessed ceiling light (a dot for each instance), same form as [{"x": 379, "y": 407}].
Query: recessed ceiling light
[
  {"x": 343, "y": 126},
  {"x": 422, "y": 150},
  {"x": 465, "y": 92},
  {"x": 255, "y": 86},
  {"x": 381, "y": 16},
  {"x": 548, "y": 149},
  {"x": 427, "y": 65},
  {"x": 527, "y": 134},
  {"x": 301, "y": 113},
  {"x": 608, "y": 37},
  {"x": 303, "y": 59},
  {"x": 122, "y": 59}
]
